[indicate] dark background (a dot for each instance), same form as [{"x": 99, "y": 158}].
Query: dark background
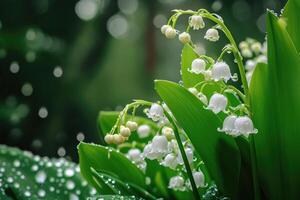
[{"x": 109, "y": 52}]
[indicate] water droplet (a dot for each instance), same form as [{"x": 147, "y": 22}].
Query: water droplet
[
  {"x": 73, "y": 197},
  {"x": 70, "y": 185},
  {"x": 34, "y": 168},
  {"x": 42, "y": 193},
  {"x": 10, "y": 180},
  {"x": 14, "y": 67},
  {"x": 17, "y": 163},
  {"x": 40, "y": 177},
  {"x": 27, "y": 194},
  {"x": 27, "y": 89},
  {"x": 43, "y": 112},
  {"x": 69, "y": 172},
  {"x": 58, "y": 71}
]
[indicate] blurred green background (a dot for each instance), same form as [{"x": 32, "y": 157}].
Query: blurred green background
[{"x": 61, "y": 62}]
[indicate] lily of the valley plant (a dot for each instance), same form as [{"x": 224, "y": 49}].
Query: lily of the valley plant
[{"x": 217, "y": 134}]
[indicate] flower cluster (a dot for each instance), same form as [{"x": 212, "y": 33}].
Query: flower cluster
[
  {"x": 218, "y": 72},
  {"x": 255, "y": 53}
]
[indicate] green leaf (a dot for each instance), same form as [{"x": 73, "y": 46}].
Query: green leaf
[
  {"x": 27, "y": 176},
  {"x": 110, "y": 161},
  {"x": 218, "y": 151},
  {"x": 187, "y": 56},
  {"x": 276, "y": 111},
  {"x": 292, "y": 15}
]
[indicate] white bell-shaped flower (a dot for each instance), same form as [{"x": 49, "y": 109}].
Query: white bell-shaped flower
[
  {"x": 220, "y": 71},
  {"x": 168, "y": 132},
  {"x": 198, "y": 178},
  {"x": 170, "y": 161},
  {"x": 176, "y": 183},
  {"x": 228, "y": 125},
  {"x": 212, "y": 35},
  {"x": 156, "y": 112},
  {"x": 149, "y": 153},
  {"x": 160, "y": 143},
  {"x": 125, "y": 131},
  {"x": 135, "y": 155},
  {"x": 184, "y": 38},
  {"x": 256, "y": 47},
  {"x": 262, "y": 59},
  {"x": 131, "y": 125},
  {"x": 217, "y": 103},
  {"x": 244, "y": 126},
  {"x": 196, "y": 22},
  {"x": 143, "y": 131},
  {"x": 170, "y": 33},
  {"x": 164, "y": 28},
  {"x": 189, "y": 154},
  {"x": 250, "y": 65},
  {"x": 198, "y": 66}
]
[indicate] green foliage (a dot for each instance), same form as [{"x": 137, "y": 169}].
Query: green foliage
[
  {"x": 27, "y": 176},
  {"x": 276, "y": 110},
  {"x": 108, "y": 161},
  {"x": 219, "y": 151}
]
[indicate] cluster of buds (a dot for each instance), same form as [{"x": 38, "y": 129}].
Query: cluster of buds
[
  {"x": 195, "y": 22},
  {"x": 123, "y": 135},
  {"x": 255, "y": 53}
]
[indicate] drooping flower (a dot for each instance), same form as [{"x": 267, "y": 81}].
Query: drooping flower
[
  {"x": 135, "y": 155},
  {"x": 198, "y": 178},
  {"x": 184, "y": 37},
  {"x": 125, "y": 131},
  {"x": 164, "y": 28},
  {"x": 220, "y": 71},
  {"x": 256, "y": 47},
  {"x": 189, "y": 154},
  {"x": 168, "y": 132},
  {"x": 244, "y": 126},
  {"x": 170, "y": 33},
  {"x": 250, "y": 65},
  {"x": 247, "y": 53},
  {"x": 198, "y": 66},
  {"x": 170, "y": 161},
  {"x": 156, "y": 112},
  {"x": 176, "y": 183},
  {"x": 109, "y": 138},
  {"x": 217, "y": 103},
  {"x": 212, "y": 35},
  {"x": 131, "y": 125},
  {"x": 144, "y": 131},
  {"x": 118, "y": 139},
  {"x": 228, "y": 125},
  {"x": 196, "y": 22},
  {"x": 157, "y": 148}
]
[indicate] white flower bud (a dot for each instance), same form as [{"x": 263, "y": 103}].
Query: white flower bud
[
  {"x": 176, "y": 183},
  {"x": 168, "y": 132},
  {"x": 125, "y": 131},
  {"x": 144, "y": 131},
  {"x": 170, "y": 161},
  {"x": 228, "y": 125},
  {"x": 196, "y": 22},
  {"x": 118, "y": 139},
  {"x": 193, "y": 90},
  {"x": 131, "y": 125},
  {"x": 243, "y": 45},
  {"x": 212, "y": 35},
  {"x": 198, "y": 66},
  {"x": 189, "y": 154},
  {"x": 207, "y": 74},
  {"x": 170, "y": 33},
  {"x": 250, "y": 65},
  {"x": 217, "y": 103},
  {"x": 164, "y": 28},
  {"x": 256, "y": 47},
  {"x": 184, "y": 37},
  {"x": 244, "y": 125},
  {"x": 247, "y": 53},
  {"x": 156, "y": 112},
  {"x": 109, "y": 138},
  {"x": 135, "y": 155},
  {"x": 220, "y": 71},
  {"x": 202, "y": 98}
]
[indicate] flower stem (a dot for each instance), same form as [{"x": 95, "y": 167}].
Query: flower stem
[{"x": 184, "y": 157}]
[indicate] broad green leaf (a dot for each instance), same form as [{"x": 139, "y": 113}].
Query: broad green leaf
[
  {"x": 276, "y": 111},
  {"x": 27, "y": 176},
  {"x": 187, "y": 56},
  {"x": 218, "y": 151},
  {"x": 292, "y": 15},
  {"x": 110, "y": 161}
]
